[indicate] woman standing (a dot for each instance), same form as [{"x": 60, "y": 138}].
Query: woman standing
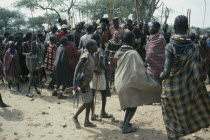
[{"x": 12, "y": 68}]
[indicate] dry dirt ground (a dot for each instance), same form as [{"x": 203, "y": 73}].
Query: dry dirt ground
[{"x": 47, "y": 118}]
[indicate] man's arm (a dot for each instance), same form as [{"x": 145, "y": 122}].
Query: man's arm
[
  {"x": 77, "y": 69},
  {"x": 167, "y": 66}
]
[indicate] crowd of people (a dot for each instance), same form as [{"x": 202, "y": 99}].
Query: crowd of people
[{"x": 141, "y": 62}]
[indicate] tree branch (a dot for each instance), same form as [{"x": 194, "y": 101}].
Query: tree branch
[{"x": 49, "y": 8}]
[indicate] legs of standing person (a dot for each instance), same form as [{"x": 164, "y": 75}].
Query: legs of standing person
[
  {"x": 103, "y": 111},
  {"x": 87, "y": 122},
  {"x": 93, "y": 116},
  {"x": 127, "y": 127},
  {"x": 55, "y": 92},
  {"x": 52, "y": 82},
  {"x": 17, "y": 84},
  {"x": 9, "y": 85},
  {"x": 32, "y": 81},
  {"x": 18, "y": 87},
  {"x": 29, "y": 86},
  {"x": 60, "y": 95},
  {"x": 35, "y": 81}
]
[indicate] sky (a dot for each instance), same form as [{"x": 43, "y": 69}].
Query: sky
[{"x": 179, "y": 7}]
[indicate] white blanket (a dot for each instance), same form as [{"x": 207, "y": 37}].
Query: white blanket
[{"x": 134, "y": 86}]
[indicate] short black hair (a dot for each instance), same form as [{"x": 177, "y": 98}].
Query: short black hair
[
  {"x": 181, "y": 24},
  {"x": 70, "y": 37},
  {"x": 96, "y": 36},
  {"x": 11, "y": 37},
  {"x": 89, "y": 43},
  {"x": 11, "y": 43},
  {"x": 6, "y": 34},
  {"x": 192, "y": 36},
  {"x": 128, "y": 36},
  {"x": 165, "y": 25},
  {"x": 89, "y": 28},
  {"x": 156, "y": 25},
  {"x": 129, "y": 21},
  {"x": 63, "y": 40},
  {"x": 28, "y": 35},
  {"x": 52, "y": 38}
]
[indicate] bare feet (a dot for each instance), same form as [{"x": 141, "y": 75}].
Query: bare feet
[
  {"x": 105, "y": 115},
  {"x": 29, "y": 95},
  {"x": 76, "y": 122},
  {"x": 94, "y": 117},
  {"x": 89, "y": 124},
  {"x": 129, "y": 125},
  {"x": 126, "y": 130}
]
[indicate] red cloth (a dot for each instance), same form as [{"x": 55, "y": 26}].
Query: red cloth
[
  {"x": 6, "y": 48},
  {"x": 120, "y": 30},
  {"x": 155, "y": 54},
  {"x": 60, "y": 35},
  {"x": 50, "y": 57},
  {"x": 105, "y": 36},
  {"x": 73, "y": 54},
  {"x": 11, "y": 66}
]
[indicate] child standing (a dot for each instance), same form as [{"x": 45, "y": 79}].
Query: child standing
[{"x": 86, "y": 68}]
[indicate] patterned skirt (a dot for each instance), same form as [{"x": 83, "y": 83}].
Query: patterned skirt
[
  {"x": 185, "y": 107},
  {"x": 31, "y": 63}
]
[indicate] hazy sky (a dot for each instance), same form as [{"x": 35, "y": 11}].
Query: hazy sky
[{"x": 179, "y": 6}]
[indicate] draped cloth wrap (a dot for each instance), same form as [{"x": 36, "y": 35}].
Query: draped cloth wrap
[
  {"x": 155, "y": 55},
  {"x": 12, "y": 68},
  {"x": 132, "y": 82},
  {"x": 185, "y": 101}
]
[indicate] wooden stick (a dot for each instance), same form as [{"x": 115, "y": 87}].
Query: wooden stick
[{"x": 96, "y": 90}]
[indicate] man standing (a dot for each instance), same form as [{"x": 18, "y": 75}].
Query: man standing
[
  {"x": 137, "y": 33},
  {"x": 116, "y": 26},
  {"x": 31, "y": 51},
  {"x": 62, "y": 69},
  {"x": 62, "y": 33},
  {"x": 145, "y": 34},
  {"x": 52, "y": 33},
  {"x": 155, "y": 52},
  {"x": 99, "y": 82},
  {"x": 166, "y": 34},
  {"x": 104, "y": 32},
  {"x": 134, "y": 86},
  {"x": 78, "y": 34},
  {"x": 87, "y": 36}
]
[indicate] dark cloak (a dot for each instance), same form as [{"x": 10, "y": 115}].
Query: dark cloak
[{"x": 62, "y": 67}]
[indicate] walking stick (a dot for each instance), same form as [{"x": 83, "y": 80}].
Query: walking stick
[{"x": 96, "y": 90}]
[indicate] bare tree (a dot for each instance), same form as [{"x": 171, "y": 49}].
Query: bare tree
[
  {"x": 167, "y": 13},
  {"x": 147, "y": 8}
]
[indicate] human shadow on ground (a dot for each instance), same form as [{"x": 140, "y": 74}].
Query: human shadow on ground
[
  {"x": 12, "y": 115},
  {"x": 116, "y": 133}
]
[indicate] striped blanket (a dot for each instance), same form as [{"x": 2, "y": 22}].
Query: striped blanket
[
  {"x": 50, "y": 58},
  {"x": 155, "y": 55},
  {"x": 185, "y": 102}
]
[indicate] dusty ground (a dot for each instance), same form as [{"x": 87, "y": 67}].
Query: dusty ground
[{"x": 47, "y": 118}]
